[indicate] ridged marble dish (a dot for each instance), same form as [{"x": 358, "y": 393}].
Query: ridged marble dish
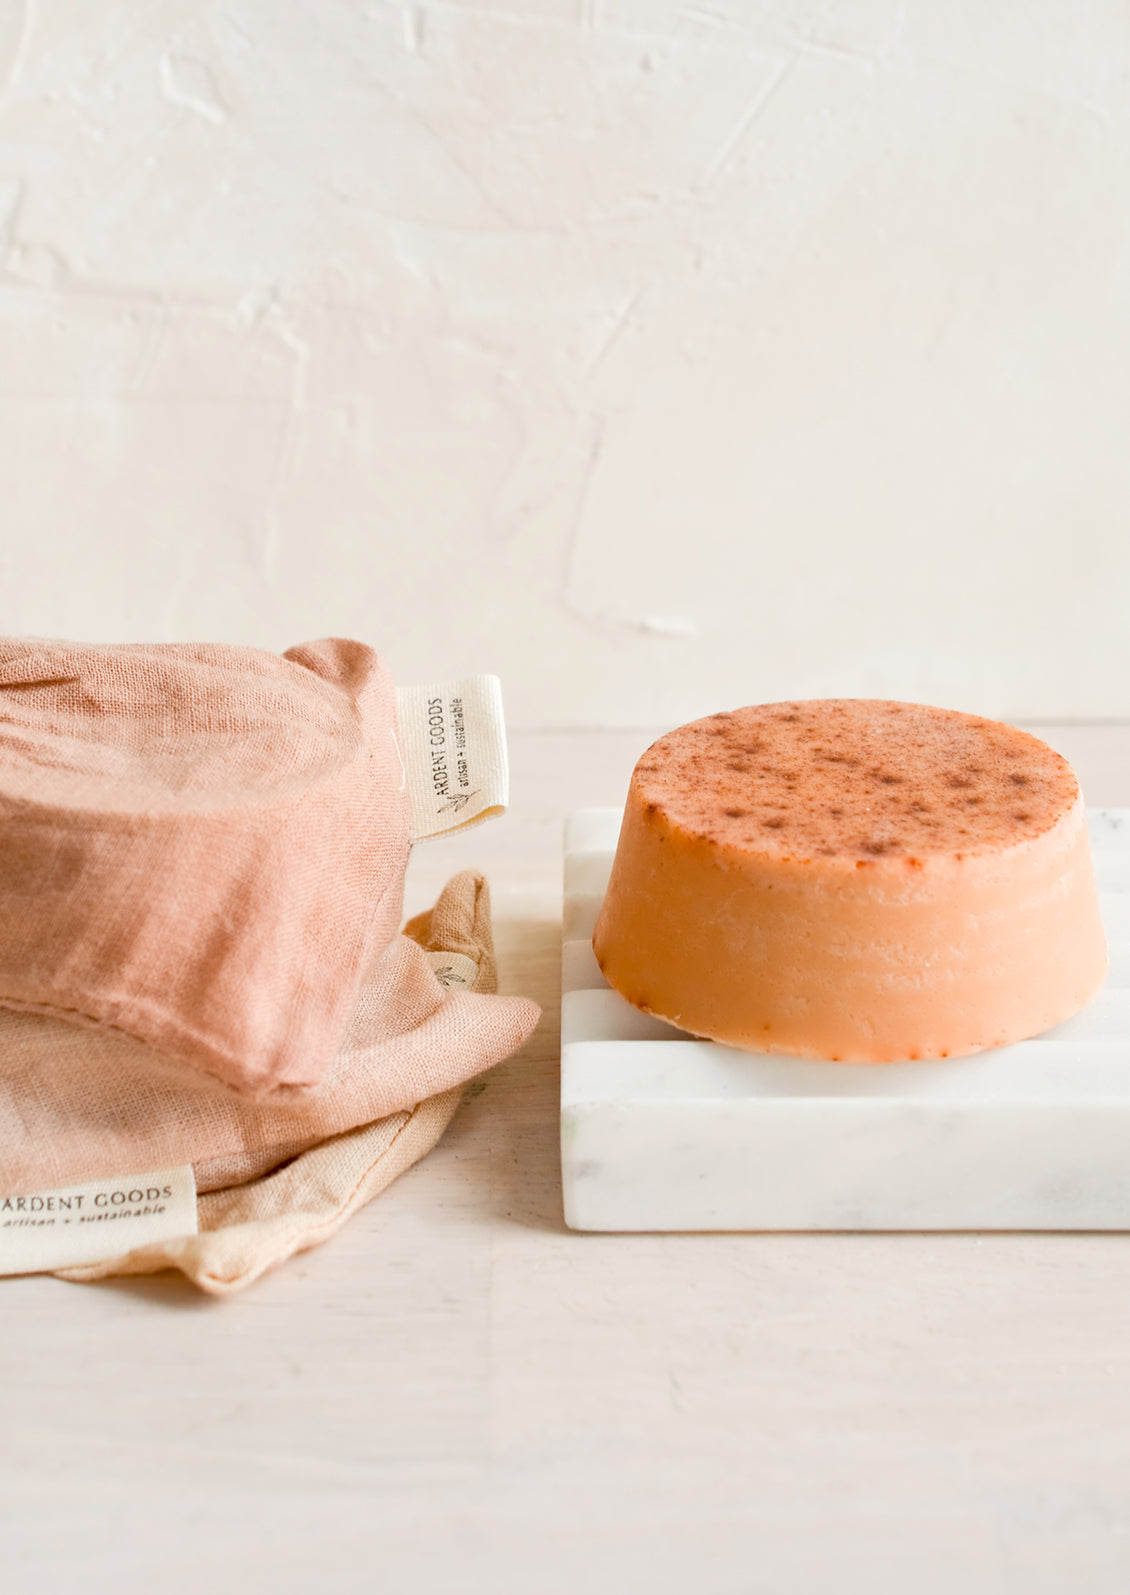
[{"x": 660, "y": 1131}]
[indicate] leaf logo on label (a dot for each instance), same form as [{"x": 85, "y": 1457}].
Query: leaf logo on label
[
  {"x": 452, "y": 743},
  {"x": 459, "y": 801}
]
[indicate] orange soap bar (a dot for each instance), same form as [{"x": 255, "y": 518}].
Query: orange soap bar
[{"x": 853, "y": 879}]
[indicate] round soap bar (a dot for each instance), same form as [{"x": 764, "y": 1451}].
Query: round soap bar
[{"x": 853, "y": 879}]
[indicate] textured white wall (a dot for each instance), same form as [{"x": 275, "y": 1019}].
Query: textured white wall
[{"x": 658, "y": 355}]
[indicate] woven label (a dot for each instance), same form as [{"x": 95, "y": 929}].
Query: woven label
[
  {"x": 453, "y": 746},
  {"x": 41, "y": 1230},
  {"x": 454, "y": 970}
]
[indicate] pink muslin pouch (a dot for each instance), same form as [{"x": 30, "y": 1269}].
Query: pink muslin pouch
[
  {"x": 202, "y": 848},
  {"x": 77, "y": 1105},
  {"x": 273, "y": 1178}
]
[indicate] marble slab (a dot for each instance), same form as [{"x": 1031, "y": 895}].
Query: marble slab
[{"x": 663, "y": 1132}]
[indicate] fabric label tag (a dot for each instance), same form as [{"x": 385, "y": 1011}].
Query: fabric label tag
[
  {"x": 453, "y": 746},
  {"x": 454, "y": 971},
  {"x": 42, "y": 1230}
]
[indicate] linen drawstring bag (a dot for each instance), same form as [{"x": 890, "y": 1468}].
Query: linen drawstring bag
[
  {"x": 202, "y": 848},
  {"x": 79, "y": 1105},
  {"x": 202, "y": 858},
  {"x": 250, "y": 1224}
]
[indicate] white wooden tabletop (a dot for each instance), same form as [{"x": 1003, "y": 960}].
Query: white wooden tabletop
[{"x": 458, "y": 1394}]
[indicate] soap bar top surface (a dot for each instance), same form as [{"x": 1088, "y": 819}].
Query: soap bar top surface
[
  {"x": 856, "y": 780},
  {"x": 853, "y": 879}
]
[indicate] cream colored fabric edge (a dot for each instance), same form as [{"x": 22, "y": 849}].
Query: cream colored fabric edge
[{"x": 300, "y": 1208}]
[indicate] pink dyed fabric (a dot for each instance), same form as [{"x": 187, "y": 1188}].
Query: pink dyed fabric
[
  {"x": 77, "y": 1106},
  {"x": 202, "y": 849}
]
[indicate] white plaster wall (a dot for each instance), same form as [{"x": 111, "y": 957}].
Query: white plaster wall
[{"x": 657, "y": 355}]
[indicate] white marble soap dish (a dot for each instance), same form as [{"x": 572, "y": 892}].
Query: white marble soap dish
[{"x": 663, "y": 1132}]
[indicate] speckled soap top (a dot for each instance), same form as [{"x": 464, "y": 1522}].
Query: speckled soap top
[{"x": 855, "y": 778}]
